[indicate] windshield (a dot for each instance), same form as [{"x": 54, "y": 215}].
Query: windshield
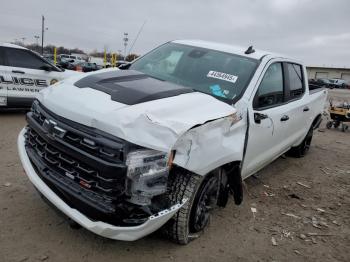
[{"x": 220, "y": 74}]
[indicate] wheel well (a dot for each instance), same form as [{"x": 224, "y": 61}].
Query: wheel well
[{"x": 232, "y": 183}]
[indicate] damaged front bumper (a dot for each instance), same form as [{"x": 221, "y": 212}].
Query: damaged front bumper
[{"x": 129, "y": 233}]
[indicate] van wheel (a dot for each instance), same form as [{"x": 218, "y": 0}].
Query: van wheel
[
  {"x": 194, "y": 215},
  {"x": 303, "y": 148}
]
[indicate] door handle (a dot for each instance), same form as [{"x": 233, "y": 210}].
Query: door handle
[
  {"x": 18, "y": 72},
  {"x": 306, "y": 109},
  {"x": 284, "y": 118}
]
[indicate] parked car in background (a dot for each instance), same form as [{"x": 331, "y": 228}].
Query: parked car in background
[
  {"x": 71, "y": 57},
  {"x": 325, "y": 82},
  {"x": 168, "y": 138},
  {"x": 49, "y": 57},
  {"x": 88, "y": 67},
  {"x": 339, "y": 83},
  {"x": 23, "y": 74},
  {"x": 82, "y": 66}
]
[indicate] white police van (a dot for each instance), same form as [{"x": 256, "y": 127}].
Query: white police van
[{"x": 23, "y": 74}]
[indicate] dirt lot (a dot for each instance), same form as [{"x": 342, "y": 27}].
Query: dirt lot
[{"x": 303, "y": 204}]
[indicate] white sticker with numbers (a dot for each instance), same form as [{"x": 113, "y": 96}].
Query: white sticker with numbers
[{"x": 222, "y": 76}]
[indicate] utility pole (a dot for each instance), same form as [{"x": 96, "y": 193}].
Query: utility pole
[
  {"x": 125, "y": 39},
  {"x": 42, "y": 33}
]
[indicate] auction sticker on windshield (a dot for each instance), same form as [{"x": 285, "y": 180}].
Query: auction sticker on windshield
[{"x": 222, "y": 76}]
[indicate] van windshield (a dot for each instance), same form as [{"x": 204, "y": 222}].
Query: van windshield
[{"x": 219, "y": 74}]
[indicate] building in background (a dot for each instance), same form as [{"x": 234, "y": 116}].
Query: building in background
[{"x": 316, "y": 72}]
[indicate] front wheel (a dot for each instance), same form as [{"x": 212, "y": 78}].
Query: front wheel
[
  {"x": 302, "y": 149},
  {"x": 201, "y": 193}
]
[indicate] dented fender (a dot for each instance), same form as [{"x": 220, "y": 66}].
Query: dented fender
[{"x": 211, "y": 145}]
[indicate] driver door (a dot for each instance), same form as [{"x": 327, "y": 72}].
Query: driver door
[{"x": 268, "y": 127}]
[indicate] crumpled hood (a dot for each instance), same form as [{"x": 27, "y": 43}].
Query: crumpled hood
[{"x": 156, "y": 124}]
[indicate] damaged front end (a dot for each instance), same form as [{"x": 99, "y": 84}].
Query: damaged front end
[{"x": 103, "y": 177}]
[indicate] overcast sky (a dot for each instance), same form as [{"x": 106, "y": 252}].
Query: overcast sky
[{"x": 317, "y": 32}]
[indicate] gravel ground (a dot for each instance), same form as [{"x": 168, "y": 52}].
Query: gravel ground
[{"x": 303, "y": 213}]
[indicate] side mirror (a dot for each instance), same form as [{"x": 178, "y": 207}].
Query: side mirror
[
  {"x": 258, "y": 117},
  {"x": 46, "y": 68}
]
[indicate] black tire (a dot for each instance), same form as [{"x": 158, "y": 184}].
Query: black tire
[
  {"x": 302, "y": 149},
  {"x": 183, "y": 185},
  {"x": 336, "y": 124},
  {"x": 329, "y": 124}
]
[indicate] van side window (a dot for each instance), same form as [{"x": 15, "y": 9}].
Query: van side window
[
  {"x": 2, "y": 57},
  {"x": 23, "y": 58},
  {"x": 270, "y": 91},
  {"x": 296, "y": 86}
]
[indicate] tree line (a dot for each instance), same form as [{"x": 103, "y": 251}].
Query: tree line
[{"x": 49, "y": 49}]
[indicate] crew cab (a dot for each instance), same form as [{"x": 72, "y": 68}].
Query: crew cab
[
  {"x": 170, "y": 136},
  {"x": 23, "y": 74}
]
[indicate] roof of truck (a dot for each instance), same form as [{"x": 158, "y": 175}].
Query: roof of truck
[
  {"x": 239, "y": 50},
  {"x": 12, "y": 45}
]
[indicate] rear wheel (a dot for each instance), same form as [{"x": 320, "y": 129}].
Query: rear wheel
[
  {"x": 302, "y": 149},
  {"x": 194, "y": 216}
]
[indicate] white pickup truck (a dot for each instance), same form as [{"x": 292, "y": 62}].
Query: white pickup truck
[
  {"x": 23, "y": 74},
  {"x": 165, "y": 140}
]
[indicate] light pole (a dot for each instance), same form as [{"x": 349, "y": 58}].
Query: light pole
[
  {"x": 42, "y": 33},
  {"x": 125, "y": 39},
  {"x": 37, "y": 39}
]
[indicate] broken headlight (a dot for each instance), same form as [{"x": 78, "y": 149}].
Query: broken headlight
[{"x": 147, "y": 175}]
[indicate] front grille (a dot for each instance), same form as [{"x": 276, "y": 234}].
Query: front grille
[
  {"x": 70, "y": 167},
  {"x": 98, "y": 146},
  {"x": 93, "y": 162}
]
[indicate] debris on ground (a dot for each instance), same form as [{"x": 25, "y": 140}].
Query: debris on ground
[
  {"x": 254, "y": 210},
  {"x": 269, "y": 194},
  {"x": 335, "y": 222},
  {"x": 318, "y": 234},
  {"x": 324, "y": 171},
  {"x": 294, "y": 196},
  {"x": 43, "y": 257},
  {"x": 273, "y": 241},
  {"x": 314, "y": 222},
  {"x": 291, "y": 215},
  {"x": 304, "y": 185},
  {"x": 313, "y": 240},
  {"x": 297, "y": 252},
  {"x": 302, "y": 236},
  {"x": 321, "y": 210}
]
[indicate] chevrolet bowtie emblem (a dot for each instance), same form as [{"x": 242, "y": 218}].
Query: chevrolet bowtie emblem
[{"x": 51, "y": 127}]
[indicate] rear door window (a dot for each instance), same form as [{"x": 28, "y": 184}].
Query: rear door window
[{"x": 295, "y": 81}]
